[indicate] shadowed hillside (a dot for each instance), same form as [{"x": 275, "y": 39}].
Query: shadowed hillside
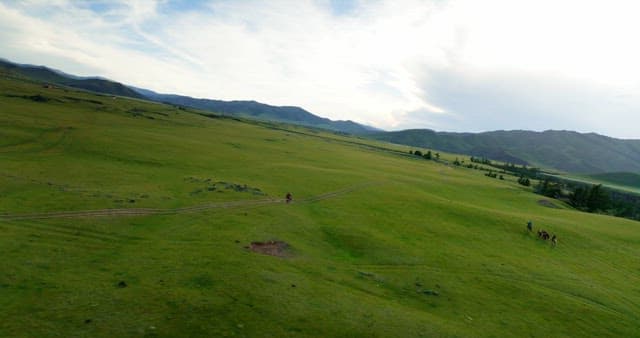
[
  {"x": 563, "y": 150},
  {"x": 624, "y": 179},
  {"x": 257, "y": 110}
]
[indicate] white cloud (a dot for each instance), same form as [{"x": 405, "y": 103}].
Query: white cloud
[{"x": 387, "y": 63}]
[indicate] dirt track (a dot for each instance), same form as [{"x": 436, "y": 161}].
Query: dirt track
[{"x": 183, "y": 210}]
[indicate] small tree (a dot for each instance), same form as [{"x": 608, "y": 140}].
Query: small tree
[
  {"x": 428, "y": 155},
  {"x": 524, "y": 181},
  {"x": 578, "y": 198},
  {"x": 598, "y": 199},
  {"x": 549, "y": 188}
]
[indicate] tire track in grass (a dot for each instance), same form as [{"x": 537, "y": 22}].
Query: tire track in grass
[
  {"x": 538, "y": 281},
  {"x": 46, "y": 140},
  {"x": 183, "y": 210},
  {"x": 42, "y": 233}
]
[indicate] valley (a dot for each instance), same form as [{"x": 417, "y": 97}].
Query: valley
[{"x": 125, "y": 217}]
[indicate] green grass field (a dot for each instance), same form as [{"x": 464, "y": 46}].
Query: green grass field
[{"x": 381, "y": 243}]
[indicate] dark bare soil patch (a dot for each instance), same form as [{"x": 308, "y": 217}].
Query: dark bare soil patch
[
  {"x": 548, "y": 204},
  {"x": 271, "y": 248}
]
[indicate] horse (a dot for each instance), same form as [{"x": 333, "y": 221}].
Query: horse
[{"x": 543, "y": 234}]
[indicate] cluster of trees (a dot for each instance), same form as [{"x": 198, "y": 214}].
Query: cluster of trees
[
  {"x": 588, "y": 198},
  {"x": 493, "y": 175},
  {"x": 585, "y": 197},
  {"x": 528, "y": 172},
  {"x": 523, "y": 180},
  {"x": 510, "y": 167},
  {"x": 428, "y": 155},
  {"x": 625, "y": 204},
  {"x": 481, "y": 160},
  {"x": 476, "y": 160},
  {"x": 525, "y": 174},
  {"x": 473, "y": 166},
  {"x": 591, "y": 198},
  {"x": 457, "y": 162},
  {"x": 553, "y": 188}
]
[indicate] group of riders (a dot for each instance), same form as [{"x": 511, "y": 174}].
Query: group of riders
[{"x": 542, "y": 234}]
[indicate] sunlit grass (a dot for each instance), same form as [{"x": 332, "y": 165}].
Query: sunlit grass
[{"x": 406, "y": 247}]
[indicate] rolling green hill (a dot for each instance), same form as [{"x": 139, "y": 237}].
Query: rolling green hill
[
  {"x": 563, "y": 150},
  {"x": 252, "y": 109},
  {"x": 131, "y": 218},
  {"x": 47, "y": 75}
]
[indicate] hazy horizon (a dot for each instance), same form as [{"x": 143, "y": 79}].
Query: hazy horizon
[{"x": 457, "y": 66}]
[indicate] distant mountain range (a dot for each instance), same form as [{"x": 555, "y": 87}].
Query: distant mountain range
[
  {"x": 48, "y": 75},
  {"x": 257, "y": 110},
  {"x": 252, "y": 109},
  {"x": 563, "y": 150}
]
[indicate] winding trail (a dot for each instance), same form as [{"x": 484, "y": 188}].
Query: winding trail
[{"x": 183, "y": 210}]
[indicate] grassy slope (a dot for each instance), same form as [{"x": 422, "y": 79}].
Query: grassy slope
[
  {"x": 562, "y": 150},
  {"x": 631, "y": 180},
  {"x": 359, "y": 261}
]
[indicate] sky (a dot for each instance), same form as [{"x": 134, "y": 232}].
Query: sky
[{"x": 462, "y": 65}]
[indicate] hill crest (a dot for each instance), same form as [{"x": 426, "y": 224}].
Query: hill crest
[
  {"x": 587, "y": 153},
  {"x": 258, "y": 110},
  {"x": 53, "y": 76},
  {"x": 251, "y": 109}
]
